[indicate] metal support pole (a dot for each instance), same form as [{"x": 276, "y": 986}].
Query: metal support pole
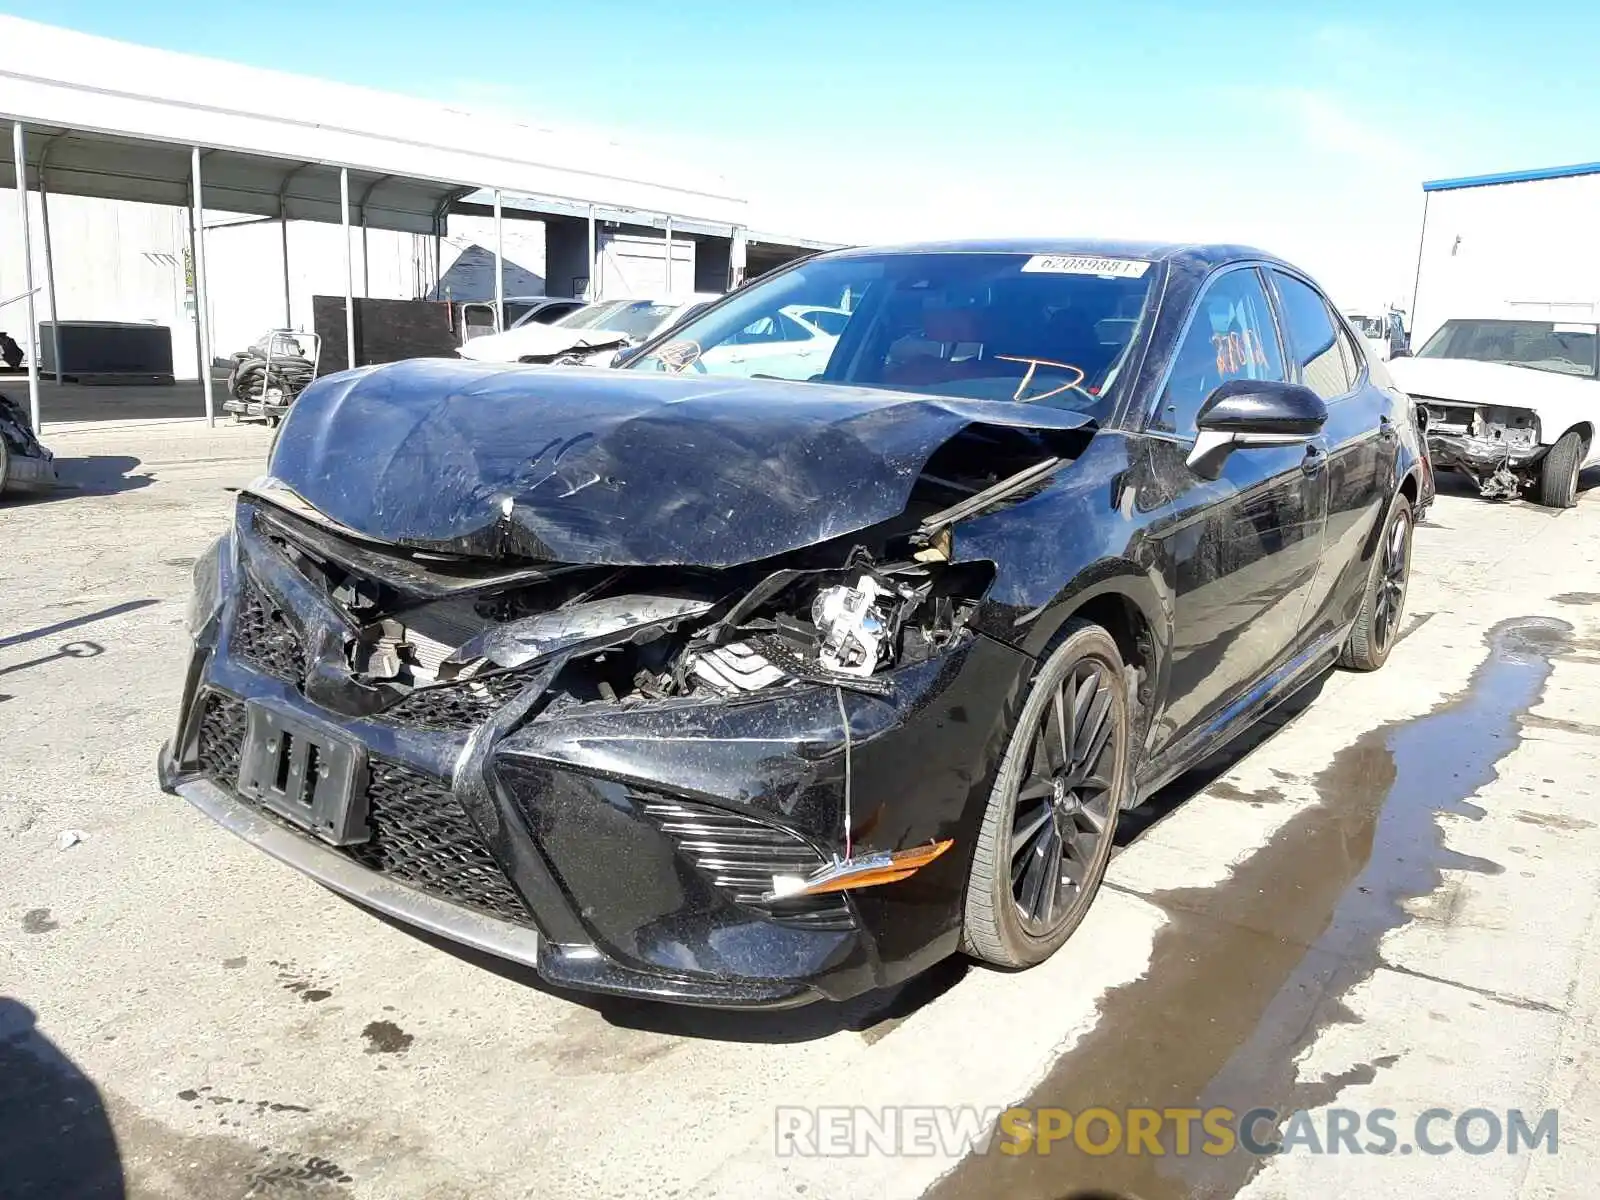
[
  {"x": 49, "y": 267},
  {"x": 591, "y": 291},
  {"x": 670, "y": 292},
  {"x": 366, "y": 271},
  {"x": 1422, "y": 248},
  {"x": 19, "y": 159},
  {"x": 283, "y": 229},
  {"x": 499, "y": 266},
  {"x": 202, "y": 313},
  {"x": 349, "y": 271},
  {"x": 736, "y": 258}
]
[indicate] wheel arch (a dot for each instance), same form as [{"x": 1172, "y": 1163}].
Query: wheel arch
[
  {"x": 1123, "y": 599},
  {"x": 1585, "y": 431}
]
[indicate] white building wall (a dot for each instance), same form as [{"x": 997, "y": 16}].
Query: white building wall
[
  {"x": 113, "y": 262},
  {"x": 1528, "y": 248}
]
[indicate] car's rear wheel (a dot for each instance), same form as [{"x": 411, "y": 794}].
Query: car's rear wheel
[
  {"x": 1047, "y": 832},
  {"x": 1558, "y": 474},
  {"x": 1384, "y": 602}
]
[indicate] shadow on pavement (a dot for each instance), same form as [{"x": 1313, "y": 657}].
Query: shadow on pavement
[
  {"x": 67, "y": 650},
  {"x": 56, "y": 1141},
  {"x": 94, "y": 475},
  {"x": 1135, "y": 822},
  {"x": 45, "y": 631},
  {"x": 98, "y": 474},
  {"x": 872, "y": 1015}
]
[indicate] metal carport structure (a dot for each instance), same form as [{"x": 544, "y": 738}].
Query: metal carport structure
[{"x": 96, "y": 117}]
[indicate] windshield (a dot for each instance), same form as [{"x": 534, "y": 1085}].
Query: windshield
[
  {"x": 1368, "y": 327},
  {"x": 1557, "y": 346},
  {"x": 636, "y": 319},
  {"x": 589, "y": 316},
  {"x": 1049, "y": 329}
]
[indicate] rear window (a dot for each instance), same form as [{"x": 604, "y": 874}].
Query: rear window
[{"x": 1555, "y": 346}]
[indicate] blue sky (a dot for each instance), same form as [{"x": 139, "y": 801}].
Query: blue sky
[{"x": 1305, "y": 128}]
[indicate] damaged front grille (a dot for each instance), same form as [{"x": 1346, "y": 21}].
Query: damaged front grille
[
  {"x": 222, "y": 725},
  {"x": 265, "y": 637},
  {"x": 464, "y": 704},
  {"x": 420, "y": 835},
  {"x": 740, "y": 855}
]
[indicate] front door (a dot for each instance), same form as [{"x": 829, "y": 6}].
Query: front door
[
  {"x": 1240, "y": 551},
  {"x": 1361, "y": 440}
]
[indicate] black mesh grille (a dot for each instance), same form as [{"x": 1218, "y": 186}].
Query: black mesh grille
[
  {"x": 265, "y": 637},
  {"x": 740, "y": 855},
  {"x": 464, "y": 704},
  {"x": 221, "y": 738},
  {"x": 420, "y": 835}
]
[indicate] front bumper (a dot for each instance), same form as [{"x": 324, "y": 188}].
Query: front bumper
[
  {"x": 1479, "y": 455},
  {"x": 579, "y": 967},
  {"x": 611, "y": 849}
]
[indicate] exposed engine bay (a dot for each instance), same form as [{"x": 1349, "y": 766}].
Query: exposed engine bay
[
  {"x": 1495, "y": 446},
  {"x": 840, "y": 613}
]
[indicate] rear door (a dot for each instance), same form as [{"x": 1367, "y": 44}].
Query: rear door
[
  {"x": 1361, "y": 442},
  {"x": 1241, "y": 551}
]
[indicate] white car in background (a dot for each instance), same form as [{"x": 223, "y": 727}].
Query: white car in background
[
  {"x": 793, "y": 343},
  {"x": 592, "y": 335},
  {"x": 1511, "y": 403}
]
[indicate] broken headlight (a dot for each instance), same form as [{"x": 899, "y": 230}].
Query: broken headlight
[
  {"x": 843, "y": 628},
  {"x": 853, "y": 625}
]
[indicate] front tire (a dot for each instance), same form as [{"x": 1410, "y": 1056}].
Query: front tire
[
  {"x": 1049, "y": 826},
  {"x": 1384, "y": 601},
  {"x": 1558, "y": 474}
]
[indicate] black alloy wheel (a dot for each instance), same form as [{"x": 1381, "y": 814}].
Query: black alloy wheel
[
  {"x": 1064, "y": 805},
  {"x": 1378, "y": 622},
  {"x": 1393, "y": 572},
  {"x": 1048, "y": 832}
]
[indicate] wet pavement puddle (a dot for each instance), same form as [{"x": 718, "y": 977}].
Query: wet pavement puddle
[{"x": 1246, "y": 973}]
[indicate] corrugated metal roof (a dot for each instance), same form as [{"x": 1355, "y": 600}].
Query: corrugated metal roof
[
  {"x": 131, "y": 108},
  {"x": 1471, "y": 181}
]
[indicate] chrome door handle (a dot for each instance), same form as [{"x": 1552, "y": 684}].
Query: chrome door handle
[{"x": 1314, "y": 461}]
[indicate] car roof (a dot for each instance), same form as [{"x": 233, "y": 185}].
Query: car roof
[{"x": 1193, "y": 254}]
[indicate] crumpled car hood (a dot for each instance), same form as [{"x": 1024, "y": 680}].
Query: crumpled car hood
[{"x": 618, "y": 467}]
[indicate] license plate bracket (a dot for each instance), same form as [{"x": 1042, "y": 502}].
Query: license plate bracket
[{"x": 306, "y": 773}]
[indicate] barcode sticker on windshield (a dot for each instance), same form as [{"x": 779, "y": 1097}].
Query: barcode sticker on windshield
[{"x": 1083, "y": 264}]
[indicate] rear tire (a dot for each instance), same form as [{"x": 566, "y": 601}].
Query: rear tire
[
  {"x": 1558, "y": 474},
  {"x": 1384, "y": 602},
  {"x": 5, "y": 466},
  {"x": 1048, "y": 830}
]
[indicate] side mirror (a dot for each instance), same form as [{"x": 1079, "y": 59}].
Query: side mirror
[{"x": 1247, "y": 412}]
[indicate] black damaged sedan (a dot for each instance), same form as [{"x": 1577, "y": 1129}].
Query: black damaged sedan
[{"x": 826, "y": 637}]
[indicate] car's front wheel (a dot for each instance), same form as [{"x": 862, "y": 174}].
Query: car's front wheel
[
  {"x": 1047, "y": 832},
  {"x": 1384, "y": 602},
  {"x": 1558, "y": 474}
]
